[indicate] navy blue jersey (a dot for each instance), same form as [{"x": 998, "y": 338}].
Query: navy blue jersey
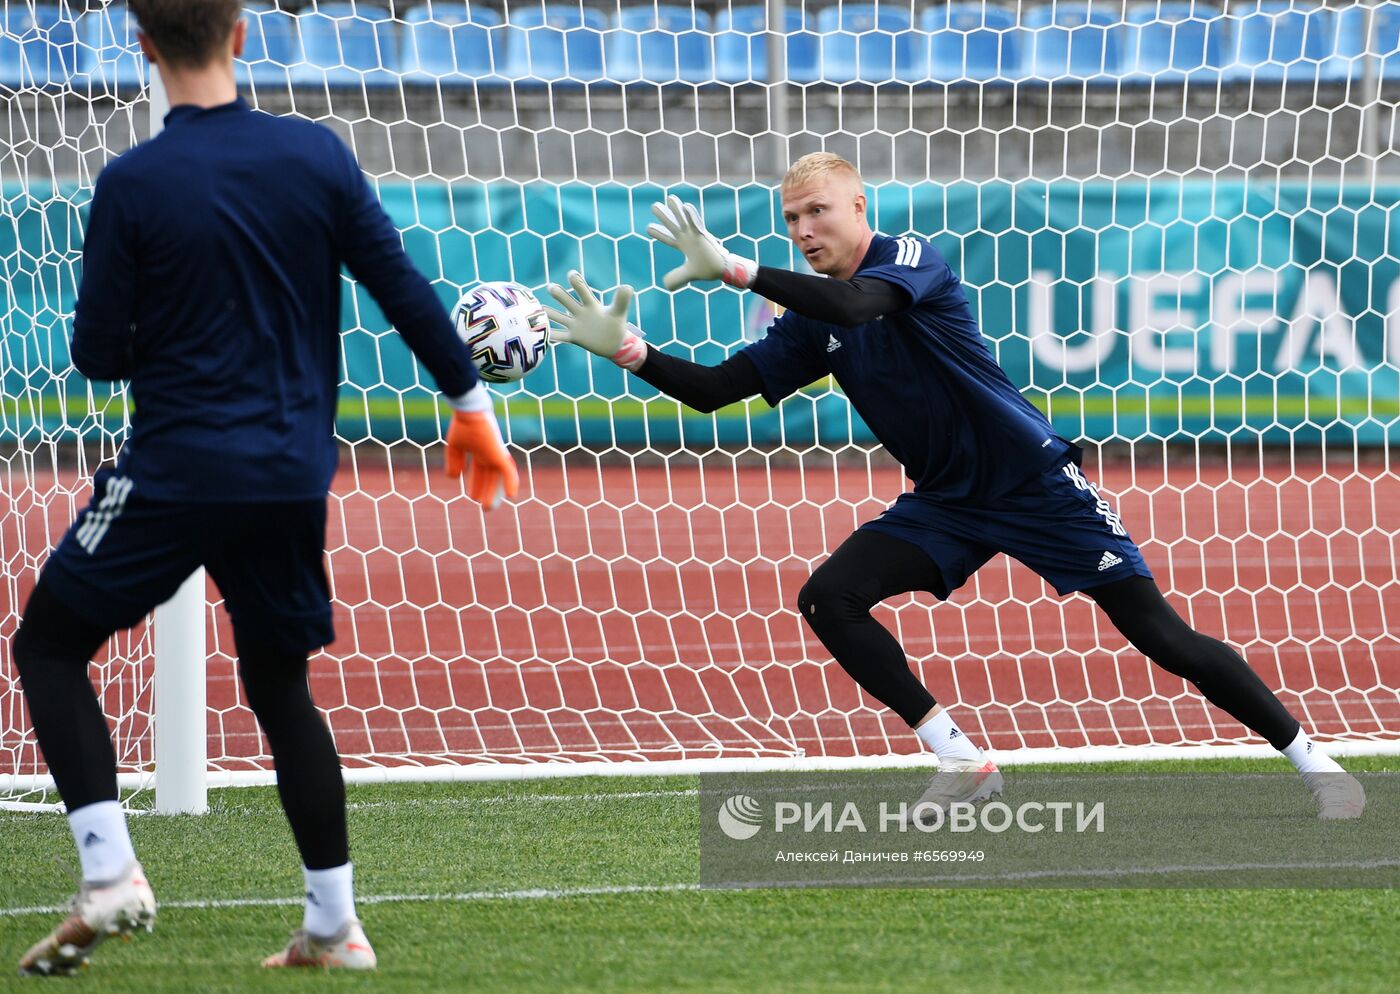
[
  {"x": 923, "y": 380},
  {"x": 211, "y": 279}
]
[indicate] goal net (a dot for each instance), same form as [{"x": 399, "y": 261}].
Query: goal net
[{"x": 1175, "y": 222}]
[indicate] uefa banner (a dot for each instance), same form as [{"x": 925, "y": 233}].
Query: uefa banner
[{"x": 1128, "y": 310}]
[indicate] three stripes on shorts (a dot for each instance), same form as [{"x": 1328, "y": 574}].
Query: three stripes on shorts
[
  {"x": 92, "y": 531},
  {"x": 1101, "y": 506}
]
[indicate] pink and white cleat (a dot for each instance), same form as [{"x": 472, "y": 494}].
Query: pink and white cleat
[
  {"x": 959, "y": 781},
  {"x": 1339, "y": 795},
  {"x": 348, "y": 949},
  {"x": 99, "y": 911}
]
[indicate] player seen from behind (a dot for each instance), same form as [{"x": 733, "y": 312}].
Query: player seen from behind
[
  {"x": 211, "y": 280},
  {"x": 890, "y": 321}
]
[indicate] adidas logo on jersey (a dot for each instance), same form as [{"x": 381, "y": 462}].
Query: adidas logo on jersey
[
  {"x": 1109, "y": 561},
  {"x": 832, "y": 344}
]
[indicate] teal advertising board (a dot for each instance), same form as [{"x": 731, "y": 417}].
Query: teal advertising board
[{"x": 1129, "y": 311}]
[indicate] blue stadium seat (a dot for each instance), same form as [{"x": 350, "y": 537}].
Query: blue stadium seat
[
  {"x": 37, "y": 47},
  {"x": 554, "y": 44},
  {"x": 1276, "y": 40},
  {"x": 971, "y": 41},
  {"x": 12, "y": 73},
  {"x": 108, "y": 54},
  {"x": 741, "y": 45},
  {"x": 347, "y": 44},
  {"x": 272, "y": 48},
  {"x": 866, "y": 42},
  {"x": 1075, "y": 39},
  {"x": 1174, "y": 43},
  {"x": 660, "y": 44},
  {"x": 452, "y": 42},
  {"x": 1348, "y": 60}
]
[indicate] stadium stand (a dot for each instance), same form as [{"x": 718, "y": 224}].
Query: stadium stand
[
  {"x": 661, "y": 44},
  {"x": 741, "y": 45},
  {"x": 555, "y": 44},
  {"x": 38, "y": 46},
  {"x": 1277, "y": 40},
  {"x": 452, "y": 43},
  {"x": 272, "y": 48},
  {"x": 1069, "y": 39},
  {"x": 347, "y": 44},
  {"x": 1173, "y": 43},
  {"x": 971, "y": 41},
  {"x": 108, "y": 56},
  {"x": 867, "y": 43}
]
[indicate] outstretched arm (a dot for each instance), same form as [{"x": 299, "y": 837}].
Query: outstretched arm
[
  {"x": 842, "y": 302},
  {"x": 604, "y": 331},
  {"x": 372, "y": 250},
  {"x": 704, "y": 388}
]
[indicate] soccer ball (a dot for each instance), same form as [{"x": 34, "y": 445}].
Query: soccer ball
[{"x": 505, "y": 328}]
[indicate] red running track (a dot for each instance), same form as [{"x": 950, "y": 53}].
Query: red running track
[{"x": 627, "y": 611}]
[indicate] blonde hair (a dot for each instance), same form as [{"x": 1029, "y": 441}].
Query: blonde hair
[{"x": 816, "y": 165}]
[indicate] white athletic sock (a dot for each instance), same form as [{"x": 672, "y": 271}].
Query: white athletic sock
[
  {"x": 330, "y": 900},
  {"x": 943, "y": 735},
  {"x": 1308, "y": 757},
  {"x": 104, "y": 847}
]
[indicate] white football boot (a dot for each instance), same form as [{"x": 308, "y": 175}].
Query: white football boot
[
  {"x": 348, "y": 949},
  {"x": 958, "y": 781},
  {"x": 1339, "y": 796},
  {"x": 98, "y": 912}
]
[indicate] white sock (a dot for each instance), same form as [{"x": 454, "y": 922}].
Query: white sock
[
  {"x": 1308, "y": 757},
  {"x": 330, "y": 900},
  {"x": 104, "y": 847},
  {"x": 945, "y": 738}
]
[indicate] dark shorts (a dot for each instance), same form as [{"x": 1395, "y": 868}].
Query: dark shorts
[
  {"x": 124, "y": 555},
  {"x": 1057, "y": 523}
]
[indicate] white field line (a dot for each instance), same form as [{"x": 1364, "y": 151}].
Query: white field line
[
  {"x": 543, "y": 893},
  {"x": 533, "y": 894},
  {"x": 1104, "y": 873},
  {"x": 467, "y": 802}
]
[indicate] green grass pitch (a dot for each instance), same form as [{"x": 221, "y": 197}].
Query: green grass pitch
[{"x": 589, "y": 885}]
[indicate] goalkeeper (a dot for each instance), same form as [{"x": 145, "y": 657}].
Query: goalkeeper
[
  {"x": 211, "y": 280},
  {"x": 891, "y": 322}
]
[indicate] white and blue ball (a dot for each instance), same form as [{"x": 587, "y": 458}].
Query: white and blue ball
[{"x": 505, "y": 330}]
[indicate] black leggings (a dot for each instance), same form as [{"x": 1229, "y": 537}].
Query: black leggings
[
  {"x": 52, "y": 650},
  {"x": 870, "y": 566}
]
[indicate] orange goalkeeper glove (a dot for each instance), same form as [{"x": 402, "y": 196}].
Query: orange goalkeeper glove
[{"x": 474, "y": 434}]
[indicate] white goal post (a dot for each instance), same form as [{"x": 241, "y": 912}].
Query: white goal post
[{"x": 1174, "y": 221}]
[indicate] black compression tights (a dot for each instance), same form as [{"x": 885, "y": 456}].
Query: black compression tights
[
  {"x": 836, "y": 601},
  {"x": 1138, "y": 610},
  {"x": 870, "y": 566},
  {"x": 303, "y": 752},
  {"x": 51, "y": 651}
]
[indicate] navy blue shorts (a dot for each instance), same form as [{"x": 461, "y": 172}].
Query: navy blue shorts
[
  {"x": 1057, "y": 523},
  {"x": 124, "y": 555}
]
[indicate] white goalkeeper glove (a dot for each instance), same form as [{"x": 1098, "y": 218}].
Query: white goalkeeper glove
[
  {"x": 705, "y": 258},
  {"x": 604, "y": 331}
]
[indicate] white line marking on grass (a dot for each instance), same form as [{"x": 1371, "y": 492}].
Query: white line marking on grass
[
  {"x": 553, "y": 893},
  {"x": 533, "y": 894},
  {"x": 458, "y": 802},
  {"x": 1111, "y": 873}
]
